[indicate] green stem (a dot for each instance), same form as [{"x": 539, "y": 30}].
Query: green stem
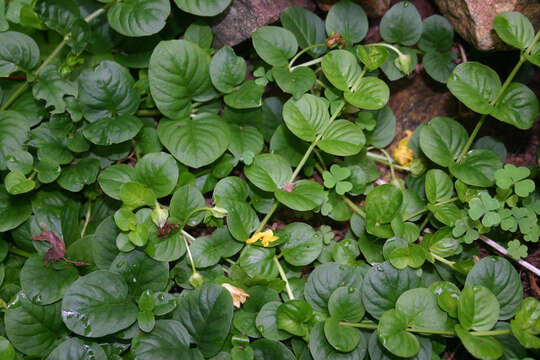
[
  {"x": 308, "y": 63},
  {"x": 187, "y": 235},
  {"x": 420, "y": 212},
  {"x": 19, "y": 252},
  {"x": 425, "y": 222},
  {"x": 390, "y": 164},
  {"x": 267, "y": 217},
  {"x": 353, "y": 206},
  {"x": 137, "y": 155},
  {"x": 148, "y": 113},
  {"x": 303, "y": 51},
  {"x": 320, "y": 166},
  {"x": 356, "y": 83},
  {"x": 384, "y": 160},
  {"x": 471, "y": 138},
  {"x": 193, "y": 212},
  {"x": 443, "y": 260},
  {"x": 391, "y": 47},
  {"x": 369, "y": 325},
  {"x": 87, "y": 218},
  {"x": 49, "y": 58},
  {"x": 33, "y": 174},
  {"x": 284, "y": 278},
  {"x": 321, "y": 84}
]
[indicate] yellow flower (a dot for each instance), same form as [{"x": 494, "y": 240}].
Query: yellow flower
[
  {"x": 402, "y": 153},
  {"x": 239, "y": 296},
  {"x": 266, "y": 238}
]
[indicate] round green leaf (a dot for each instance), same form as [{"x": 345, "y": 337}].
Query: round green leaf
[
  {"x": 442, "y": 139},
  {"x": 275, "y": 45},
  {"x": 114, "y": 177},
  {"x": 437, "y": 35},
  {"x": 477, "y": 168},
  {"x": 227, "y": 70},
  {"x": 348, "y": 19},
  {"x": 16, "y": 183},
  {"x": 306, "y": 195},
  {"x": 385, "y": 128},
  {"x": 185, "y": 200},
  {"x": 242, "y": 220},
  {"x": 75, "y": 177},
  {"x": 33, "y": 329},
  {"x": 7, "y": 351},
  {"x": 76, "y": 349},
  {"x": 485, "y": 347},
  {"x": 14, "y": 210},
  {"x": 439, "y": 65},
  {"x": 371, "y": 93},
  {"x": 295, "y": 82},
  {"x": 306, "y": 117},
  {"x": 179, "y": 73},
  {"x": 325, "y": 279},
  {"x": 208, "y": 250},
  {"x": 195, "y": 142},
  {"x": 166, "y": 248},
  {"x": 401, "y": 24},
  {"x": 439, "y": 186},
  {"x": 345, "y": 304},
  {"x": 203, "y": 7},
  {"x": 295, "y": 316},
  {"x": 13, "y": 134},
  {"x": 518, "y": 106},
  {"x": 139, "y": 17},
  {"x": 59, "y": 15},
  {"x": 342, "y": 338},
  {"x": 168, "y": 340},
  {"x": 269, "y": 172},
  {"x": 514, "y": 29},
  {"x": 320, "y": 349},
  {"x": 44, "y": 285},
  {"x": 447, "y": 296},
  {"x": 302, "y": 245},
  {"x": 18, "y": 51},
  {"x": 498, "y": 275},
  {"x": 421, "y": 309},
  {"x": 307, "y": 27},
  {"x": 247, "y": 96},
  {"x": 382, "y": 205},
  {"x": 157, "y": 171},
  {"x": 267, "y": 322},
  {"x": 264, "y": 349},
  {"x": 475, "y": 85},
  {"x": 107, "y": 91},
  {"x": 257, "y": 260},
  {"x": 341, "y": 68},
  {"x": 478, "y": 308},
  {"x": 206, "y": 313},
  {"x": 246, "y": 143},
  {"x": 393, "y": 335},
  {"x": 89, "y": 315},
  {"x": 52, "y": 87},
  {"x": 342, "y": 138},
  {"x": 383, "y": 284},
  {"x": 112, "y": 131}
]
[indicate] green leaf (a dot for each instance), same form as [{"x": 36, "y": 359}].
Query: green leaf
[
  {"x": 267, "y": 322},
  {"x": 321, "y": 349},
  {"x": 437, "y": 35},
  {"x": 204, "y": 7},
  {"x": 475, "y": 85},
  {"x": 208, "y": 250},
  {"x": 295, "y": 316},
  {"x": 442, "y": 243},
  {"x": 518, "y": 106},
  {"x": 401, "y": 24},
  {"x": 275, "y": 45},
  {"x": 76, "y": 349},
  {"x": 103, "y": 247},
  {"x": 75, "y": 177},
  {"x": 372, "y": 56},
  {"x": 268, "y": 172},
  {"x": 109, "y": 131},
  {"x": 534, "y": 56},
  {"x": 302, "y": 245},
  {"x": 306, "y": 117},
  {"x": 421, "y": 309},
  {"x": 7, "y": 351},
  {"x": 342, "y": 338},
  {"x": 107, "y": 91},
  {"x": 166, "y": 248},
  {"x": 498, "y": 275},
  {"x": 33, "y": 329},
  {"x": 447, "y": 296},
  {"x": 247, "y": 142},
  {"x": 227, "y": 70},
  {"x": 112, "y": 178},
  {"x": 247, "y": 96},
  {"x": 89, "y": 315},
  {"x": 382, "y": 205},
  {"x": 477, "y": 168},
  {"x": 195, "y": 142},
  {"x": 307, "y": 27},
  {"x": 439, "y": 186},
  {"x": 18, "y": 51},
  {"x": 306, "y": 195},
  {"x": 207, "y": 314},
  {"x": 157, "y": 171},
  {"x": 385, "y": 128},
  {"x": 485, "y": 347},
  {"x": 179, "y": 73},
  {"x": 258, "y": 261},
  {"x": 439, "y": 65},
  {"x": 52, "y": 87},
  {"x": 341, "y": 68},
  {"x": 168, "y": 339},
  {"x": 371, "y": 93},
  {"x": 242, "y": 220},
  {"x": 525, "y": 325},
  {"x": 264, "y": 349},
  {"x": 13, "y": 134},
  {"x": 514, "y": 29},
  {"x": 442, "y": 139},
  {"x": 16, "y": 183},
  {"x": 383, "y": 284},
  {"x": 185, "y": 200},
  {"x": 139, "y": 17},
  {"x": 478, "y": 308},
  {"x": 295, "y": 82},
  {"x": 198, "y": 32},
  {"x": 43, "y": 284},
  {"x": 345, "y": 304},
  {"x": 325, "y": 279},
  {"x": 342, "y": 138},
  {"x": 348, "y": 19},
  {"x": 59, "y": 15},
  {"x": 393, "y": 335}
]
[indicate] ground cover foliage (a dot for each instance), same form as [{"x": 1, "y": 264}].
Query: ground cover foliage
[{"x": 155, "y": 203}]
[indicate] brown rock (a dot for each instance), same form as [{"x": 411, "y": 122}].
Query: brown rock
[
  {"x": 245, "y": 16},
  {"x": 473, "y": 19},
  {"x": 373, "y": 8}
]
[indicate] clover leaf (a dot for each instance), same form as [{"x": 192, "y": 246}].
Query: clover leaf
[
  {"x": 484, "y": 207},
  {"x": 516, "y": 249},
  {"x": 511, "y": 175},
  {"x": 335, "y": 179}
]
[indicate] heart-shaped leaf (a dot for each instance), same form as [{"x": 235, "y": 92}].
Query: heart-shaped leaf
[
  {"x": 306, "y": 117},
  {"x": 275, "y": 45},
  {"x": 139, "y": 17},
  {"x": 341, "y": 68}
]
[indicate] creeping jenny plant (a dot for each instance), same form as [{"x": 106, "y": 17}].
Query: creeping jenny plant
[{"x": 155, "y": 204}]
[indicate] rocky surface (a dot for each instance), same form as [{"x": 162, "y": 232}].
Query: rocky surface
[
  {"x": 473, "y": 19},
  {"x": 245, "y": 16}
]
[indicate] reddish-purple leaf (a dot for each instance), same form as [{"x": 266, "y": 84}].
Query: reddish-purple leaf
[{"x": 57, "y": 250}]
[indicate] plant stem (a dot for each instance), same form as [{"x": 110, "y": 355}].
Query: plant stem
[
  {"x": 443, "y": 260},
  {"x": 284, "y": 278},
  {"x": 472, "y": 137},
  {"x": 303, "y": 51},
  {"x": 390, "y": 164},
  {"x": 420, "y": 212},
  {"x": 267, "y": 217},
  {"x": 309, "y": 63},
  {"x": 356, "y": 83},
  {"x": 137, "y": 155},
  {"x": 503, "y": 251},
  {"x": 19, "y": 252},
  {"x": 187, "y": 235},
  {"x": 354, "y": 207},
  {"x": 22, "y": 88},
  {"x": 87, "y": 218},
  {"x": 383, "y": 160},
  {"x": 148, "y": 113},
  {"x": 393, "y": 48},
  {"x": 425, "y": 222}
]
